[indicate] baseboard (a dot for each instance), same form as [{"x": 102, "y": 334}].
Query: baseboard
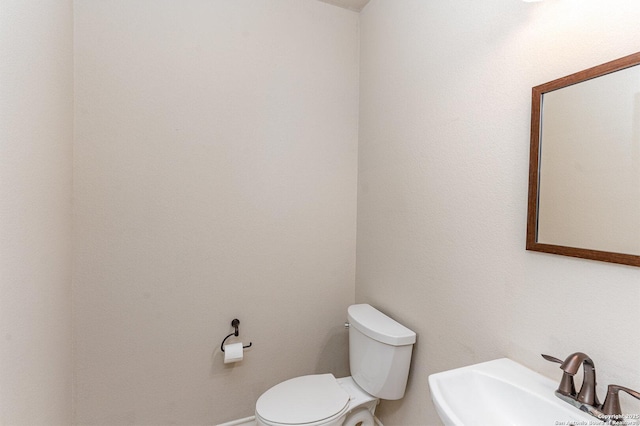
[{"x": 246, "y": 421}]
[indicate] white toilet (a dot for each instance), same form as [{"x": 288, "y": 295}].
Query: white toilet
[{"x": 379, "y": 357}]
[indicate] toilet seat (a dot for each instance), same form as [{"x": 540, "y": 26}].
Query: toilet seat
[{"x": 303, "y": 400}]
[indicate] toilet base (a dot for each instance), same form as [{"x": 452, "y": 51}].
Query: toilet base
[{"x": 362, "y": 417}]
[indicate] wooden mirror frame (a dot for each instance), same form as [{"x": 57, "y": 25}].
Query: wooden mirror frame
[{"x": 534, "y": 164}]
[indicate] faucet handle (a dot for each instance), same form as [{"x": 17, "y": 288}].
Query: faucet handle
[
  {"x": 611, "y": 404},
  {"x": 552, "y": 358},
  {"x": 566, "y": 384}
]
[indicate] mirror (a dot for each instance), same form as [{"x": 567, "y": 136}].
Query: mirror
[{"x": 584, "y": 167}]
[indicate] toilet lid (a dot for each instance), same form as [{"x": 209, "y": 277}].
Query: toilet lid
[{"x": 304, "y": 399}]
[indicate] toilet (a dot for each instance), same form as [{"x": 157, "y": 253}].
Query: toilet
[{"x": 379, "y": 357}]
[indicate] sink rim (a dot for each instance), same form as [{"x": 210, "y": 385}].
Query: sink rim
[{"x": 509, "y": 372}]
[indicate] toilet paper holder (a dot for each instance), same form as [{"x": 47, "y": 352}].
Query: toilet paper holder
[{"x": 235, "y": 323}]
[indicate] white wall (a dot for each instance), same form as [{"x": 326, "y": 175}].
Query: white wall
[
  {"x": 442, "y": 189},
  {"x": 36, "y": 131},
  {"x": 215, "y": 177}
]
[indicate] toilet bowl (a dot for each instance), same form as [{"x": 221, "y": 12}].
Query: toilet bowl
[
  {"x": 379, "y": 357},
  {"x": 316, "y": 400}
]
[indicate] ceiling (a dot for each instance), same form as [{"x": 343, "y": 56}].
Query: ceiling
[{"x": 355, "y": 5}]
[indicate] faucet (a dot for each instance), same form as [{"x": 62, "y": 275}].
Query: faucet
[
  {"x": 587, "y": 394},
  {"x": 570, "y": 366},
  {"x": 609, "y": 413}
]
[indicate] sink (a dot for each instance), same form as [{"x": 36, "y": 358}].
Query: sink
[{"x": 501, "y": 392}]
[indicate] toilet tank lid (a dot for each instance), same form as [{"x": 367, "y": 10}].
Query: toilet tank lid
[{"x": 378, "y": 326}]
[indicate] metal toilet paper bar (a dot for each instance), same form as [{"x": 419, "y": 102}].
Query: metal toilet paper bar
[{"x": 235, "y": 323}]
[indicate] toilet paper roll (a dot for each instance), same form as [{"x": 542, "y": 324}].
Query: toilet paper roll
[{"x": 233, "y": 353}]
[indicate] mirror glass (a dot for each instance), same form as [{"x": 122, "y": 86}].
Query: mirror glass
[{"x": 584, "y": 176}]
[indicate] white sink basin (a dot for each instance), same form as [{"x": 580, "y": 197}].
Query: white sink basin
[{"x": 501, "y": 392}]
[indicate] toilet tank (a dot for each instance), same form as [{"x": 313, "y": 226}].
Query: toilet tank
[{"x": 379, "y": 352}]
